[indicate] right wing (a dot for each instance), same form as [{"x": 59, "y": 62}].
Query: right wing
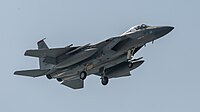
[
  {"x": 51, "y": 56},
  {"x": 54, "y": 52},
  {"x": 31, "y": 73}
]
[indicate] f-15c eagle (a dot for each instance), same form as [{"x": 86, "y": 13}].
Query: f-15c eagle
[{"x": 108, "y": 59}]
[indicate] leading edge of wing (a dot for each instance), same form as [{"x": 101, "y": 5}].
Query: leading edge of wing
[
  {"x": 31, "y": 73},
  {"x": 54, "y": 52}
]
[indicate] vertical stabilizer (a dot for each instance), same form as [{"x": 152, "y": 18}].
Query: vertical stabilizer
[{"x": 42, "y": 45}]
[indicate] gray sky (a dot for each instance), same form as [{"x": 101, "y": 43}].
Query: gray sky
[{"x": 168, "y": 81}]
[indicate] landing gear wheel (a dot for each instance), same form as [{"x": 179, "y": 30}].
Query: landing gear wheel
[
  {"x": 59, "y": 80},
  {"x": 48, "y": 76},
  {"x": 83, "y": 75},
  {"x": 104, "y": 80},
  {"x": 130, "y": 65}
]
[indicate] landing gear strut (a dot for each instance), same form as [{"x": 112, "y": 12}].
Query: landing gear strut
[
  {"x": 83, "y": 75},
  {"x": 104, "y": 78}
]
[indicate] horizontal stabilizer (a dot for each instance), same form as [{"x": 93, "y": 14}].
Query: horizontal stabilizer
[
  {"x": 31, "y": 73},
  {"x": 74, "y": 84}
]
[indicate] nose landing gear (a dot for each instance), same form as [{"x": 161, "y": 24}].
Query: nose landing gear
[{"x": 104, "y": 78}]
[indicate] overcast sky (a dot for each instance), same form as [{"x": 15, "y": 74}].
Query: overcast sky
[{"x": 168, "y": 81}]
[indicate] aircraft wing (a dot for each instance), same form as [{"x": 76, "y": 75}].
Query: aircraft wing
[
  {"x": 31, "y": 73},
  {"x": 54, "y": 52},
  {"x": 74, "y": 84}
]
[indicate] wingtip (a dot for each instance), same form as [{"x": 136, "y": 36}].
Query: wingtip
[
  {"x": 26, "y": 52},
  {"x": 15, "y": 73}
]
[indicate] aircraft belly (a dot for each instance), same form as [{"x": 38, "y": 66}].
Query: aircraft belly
[
  {"x": 63, "y": 74},
  {"x": 111, "y": 62},
  {"x": 76, "y": 58}
]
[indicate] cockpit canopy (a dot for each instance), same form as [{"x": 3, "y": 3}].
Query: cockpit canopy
[
  {"x": 143, "y": 26},
  {"x": 136, "y": 28}
]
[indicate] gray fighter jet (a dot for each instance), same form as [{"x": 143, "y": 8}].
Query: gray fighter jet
[{"x": 108, "y": 59}]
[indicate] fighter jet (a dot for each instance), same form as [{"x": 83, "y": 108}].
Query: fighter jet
[{"x": 108, "y": 59}]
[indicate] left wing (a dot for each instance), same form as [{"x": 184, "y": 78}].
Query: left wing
[
  {"x": 31, "y": 73},
  {"x": 73, "y": 81},
  {"x": 74, "y": 84}
]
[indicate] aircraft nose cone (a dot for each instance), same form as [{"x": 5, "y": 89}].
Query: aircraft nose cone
[
  {"x": 167, "y": 29},
  {"x": 161, "y": 31}
]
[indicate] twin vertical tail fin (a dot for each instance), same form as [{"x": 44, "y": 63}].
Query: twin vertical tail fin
[{"x": 42, "y": 45}]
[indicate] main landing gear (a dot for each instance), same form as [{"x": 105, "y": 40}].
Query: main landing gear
[
  {"x": 83, "y": 75},
  {"x": 59, "y": 79},
  {"x": 104, "y": 80},
  {"x": 48, "y": 76}
]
